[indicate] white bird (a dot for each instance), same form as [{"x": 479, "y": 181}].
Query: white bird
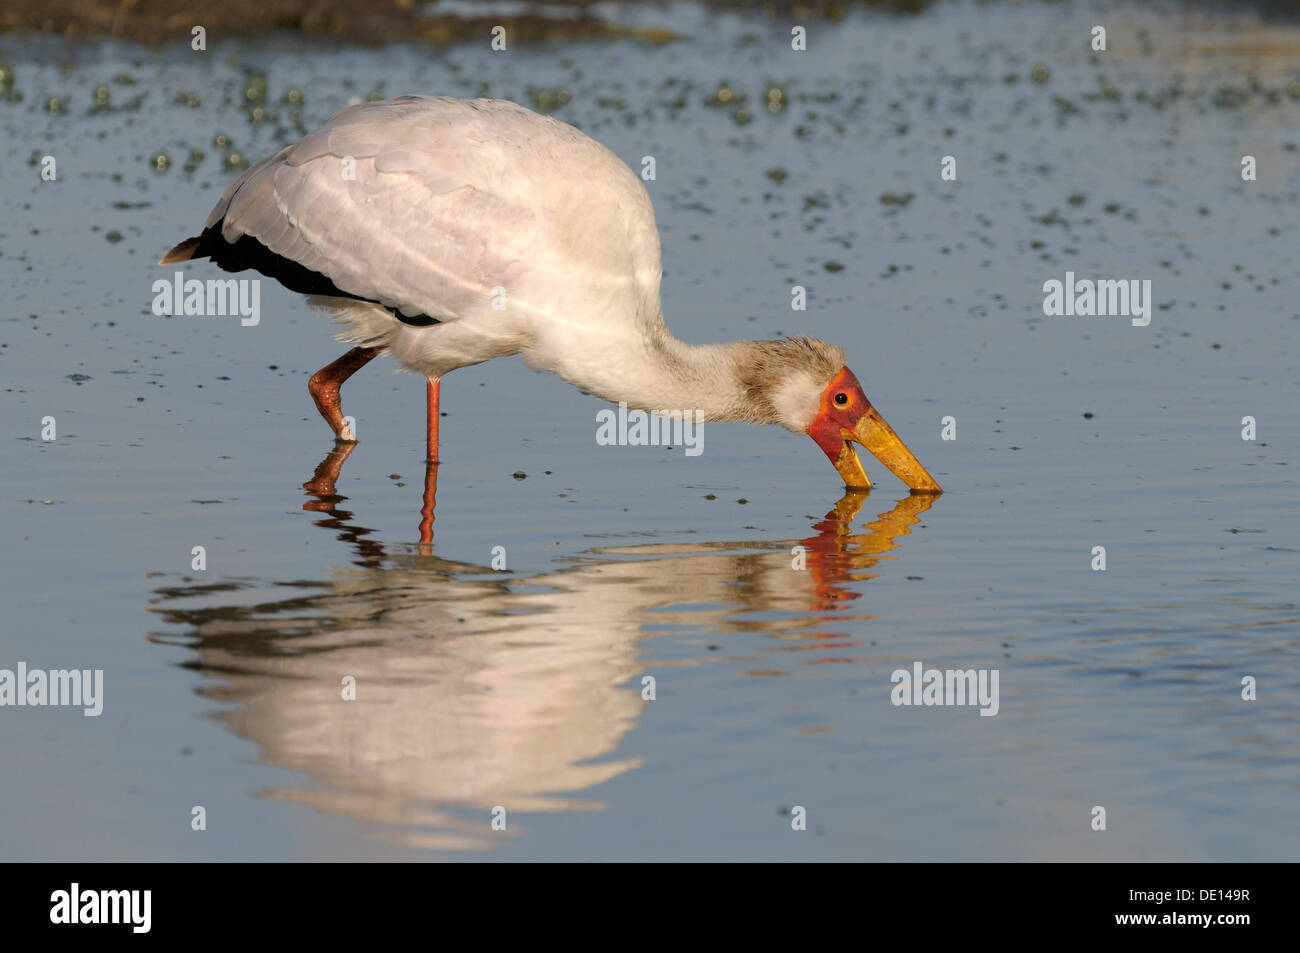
[{"x": 448, "y": 232}]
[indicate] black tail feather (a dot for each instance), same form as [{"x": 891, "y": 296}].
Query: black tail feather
[
  {"x": 247, "y": 252},
  {"x": 182, "y": 252}
]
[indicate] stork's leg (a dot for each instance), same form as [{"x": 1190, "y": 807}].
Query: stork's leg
[
  {"x": 426, "y": 508},
  {"x": 430, "y": 469},
  {"x": 431, "y": 437},
  {"x": 321, "y": 484},
  {"x": 325, "y": 383}
]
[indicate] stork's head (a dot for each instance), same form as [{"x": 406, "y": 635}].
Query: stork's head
[
  {"x": 816, "y": 394},
  {"x": 845, "y": 416}
]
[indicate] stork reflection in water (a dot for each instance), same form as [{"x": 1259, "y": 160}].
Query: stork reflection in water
[{"x": 481, "y": 688}]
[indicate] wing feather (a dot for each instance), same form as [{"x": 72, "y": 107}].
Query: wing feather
[
  {"x": 419, "y": 228},
  {"x": 427, "y": 205}
]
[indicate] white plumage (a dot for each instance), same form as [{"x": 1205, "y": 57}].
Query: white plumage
[
  {"x": 448, "y": 232},
  {"x": 455, "y": 205}
]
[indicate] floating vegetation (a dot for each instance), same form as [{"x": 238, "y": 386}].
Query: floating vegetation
[
  {"x": 255, "y": 88},
  {"x": 548, "y": 100},
  {"x": 724, "y": 95},
  {"x": 898, "y": 199},
  {"x": 100, "y": 100}
]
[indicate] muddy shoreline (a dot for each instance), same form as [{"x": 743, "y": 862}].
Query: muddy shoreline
[{"x": 159, "y": 22}]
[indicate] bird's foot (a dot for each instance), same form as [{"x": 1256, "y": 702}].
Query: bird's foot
[
  {"x": 324, "y": 389},
  {"x": 322, "y": 482}
]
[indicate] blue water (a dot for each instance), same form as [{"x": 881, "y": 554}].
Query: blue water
[{"x": 523, "y": 689}]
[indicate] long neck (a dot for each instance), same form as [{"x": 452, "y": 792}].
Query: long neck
[{"x": 658, "y": 372}]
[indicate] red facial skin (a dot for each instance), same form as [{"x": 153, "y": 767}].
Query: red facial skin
[{"x": 832, "y": 418}]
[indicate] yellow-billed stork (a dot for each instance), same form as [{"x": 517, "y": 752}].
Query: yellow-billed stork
[{"x": 448, "y": 232}]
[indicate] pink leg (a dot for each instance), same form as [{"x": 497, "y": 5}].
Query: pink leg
[
  {"x": 325, "y": 383},
  {"x": 430, "y": 467},
  {"x": 431, "y": 438}
]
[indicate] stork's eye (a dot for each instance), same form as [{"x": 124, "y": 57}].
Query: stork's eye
[{"x": 841, "y": 399}]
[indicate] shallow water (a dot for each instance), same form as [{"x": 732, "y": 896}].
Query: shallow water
[{"x": 523, "y": 689}]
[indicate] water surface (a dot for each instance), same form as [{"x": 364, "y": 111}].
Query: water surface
[{"x": 523, "y": 689}]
